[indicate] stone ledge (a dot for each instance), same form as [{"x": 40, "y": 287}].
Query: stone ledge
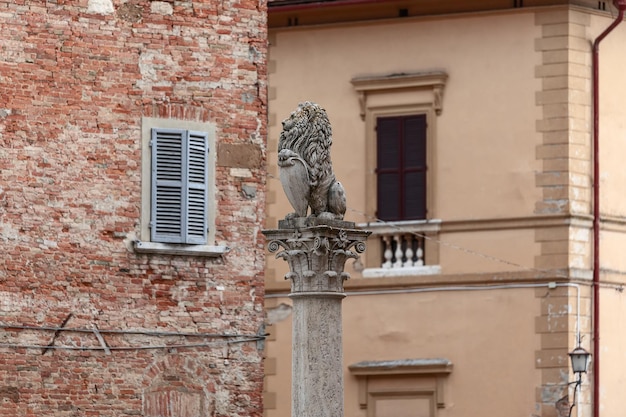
[
  {"x": 179, "y": 249},
  {"x": 401, "y": 272},
  {"x": 278, "y": 289},
  {"x": 402, "y": 367}
]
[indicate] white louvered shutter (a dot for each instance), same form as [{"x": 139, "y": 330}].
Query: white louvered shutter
[
  {"x": 179, "y": 186},
  {"x": 197, "y": 185}
]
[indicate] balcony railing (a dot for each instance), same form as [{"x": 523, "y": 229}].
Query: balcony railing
[{"x": 402, "y": 247}]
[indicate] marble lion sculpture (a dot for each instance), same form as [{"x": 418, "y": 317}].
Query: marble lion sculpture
[{"x": 306, "y": 171}]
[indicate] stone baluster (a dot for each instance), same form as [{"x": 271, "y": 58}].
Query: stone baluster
[
  {"x": 387, "y": 252},
  {"x": 408, "y": 253},
  {"x": 398, "y": 253},
  {"x": 420, "y": 252}
]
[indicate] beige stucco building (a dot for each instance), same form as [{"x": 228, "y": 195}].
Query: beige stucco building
[{"x": 478, "y": 280}]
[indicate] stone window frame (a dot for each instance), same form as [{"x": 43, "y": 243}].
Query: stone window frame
[
  {"x": 144, "y": 243},
  {"x": 401, "y": 94},
  {"x": 431, "y": 372},
  {"x": 381, "y": 395}
]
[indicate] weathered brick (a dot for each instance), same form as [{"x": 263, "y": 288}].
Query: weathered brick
[{"x": 77, "y": 78}]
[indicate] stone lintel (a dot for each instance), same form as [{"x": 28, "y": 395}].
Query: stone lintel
[{"x": 404, "y": 367}]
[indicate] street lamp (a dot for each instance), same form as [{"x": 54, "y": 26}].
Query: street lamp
[{"x": 580, "y": 360}]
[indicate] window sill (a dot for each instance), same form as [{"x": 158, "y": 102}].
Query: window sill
[
  {"x": 401, "y": 272},
  {"x": 404, "y": 226},
  {"x": 179, "y": 249}
]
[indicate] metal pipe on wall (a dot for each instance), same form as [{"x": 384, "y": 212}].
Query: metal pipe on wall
[{"x": 621, "y": 6}]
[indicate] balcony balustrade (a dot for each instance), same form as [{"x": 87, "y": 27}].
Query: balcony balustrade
[{"x": 402, "y": 247}]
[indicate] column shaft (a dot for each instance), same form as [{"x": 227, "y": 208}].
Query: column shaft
[{"x": 317, "y": 369}]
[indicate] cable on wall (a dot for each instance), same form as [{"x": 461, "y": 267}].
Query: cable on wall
[{"x": 130, "y": 348}]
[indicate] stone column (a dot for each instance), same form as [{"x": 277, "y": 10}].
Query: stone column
[{"x": 316, "y": 251}]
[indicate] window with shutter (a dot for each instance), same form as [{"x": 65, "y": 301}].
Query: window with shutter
[
  {"x": 179, "y": 193},
  {"x": 401, "y": 167},
  {"x": 400, "y": 111}
]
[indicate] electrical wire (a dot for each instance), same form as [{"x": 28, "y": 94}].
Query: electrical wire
[
  {"x": 551, "y": 273},
  {"x": 128, "y": 348},
  {"x": 130, "y": 331},
  {"x": 237, "y": 338},
  {"x": 458, "y": 247},
  {"x": 373, "y": 219},
  {"x": 472, "y": 252},
  {"x": 548, "y": 285}
]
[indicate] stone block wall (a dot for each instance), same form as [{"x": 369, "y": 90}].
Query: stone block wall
[
  {"x": 565, "y": 129},
  {"x": 144, "y": 334}
]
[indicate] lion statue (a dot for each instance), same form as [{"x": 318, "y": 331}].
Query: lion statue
[{"x": 306, "y": 171}]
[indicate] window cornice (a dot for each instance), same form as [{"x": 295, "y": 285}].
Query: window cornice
[
  {"x": 402, "y": 367},
  {"x": 433, "y": 81},
  {"x": 436, "y": 369}
]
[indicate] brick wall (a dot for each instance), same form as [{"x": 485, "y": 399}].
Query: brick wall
[{"x": 76, "y": 77}]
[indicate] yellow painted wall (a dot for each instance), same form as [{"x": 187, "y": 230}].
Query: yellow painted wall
[
  {"x": 612, "y": 94},
  {"x": 612, "y": 140},
  {"x": 485, "y": 173},
  {"x": 484, "y": 157},
  {"x": 487, "y": 251},
  {"x": 483, "y": 333},
  {"x": 484, "y": 162},
  {"x": 613, "y": 349}
]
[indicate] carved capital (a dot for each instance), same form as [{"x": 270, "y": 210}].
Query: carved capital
[{"x": 317, "y": 255}]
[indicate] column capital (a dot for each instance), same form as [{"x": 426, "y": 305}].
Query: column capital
[{"x": 316, "y": 251}]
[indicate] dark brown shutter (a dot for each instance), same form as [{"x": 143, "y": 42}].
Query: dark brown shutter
[
  {"x": 389, "y": 148},
  {"x": 401, "y": 167}
]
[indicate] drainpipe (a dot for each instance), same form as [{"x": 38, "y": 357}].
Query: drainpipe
[{"x": 621, "y": 6}]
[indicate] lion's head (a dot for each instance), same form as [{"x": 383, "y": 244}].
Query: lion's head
[{"x": 306, "y": 132}]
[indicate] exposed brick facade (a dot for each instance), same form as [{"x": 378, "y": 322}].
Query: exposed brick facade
[{"x": 76, "y": 78}]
